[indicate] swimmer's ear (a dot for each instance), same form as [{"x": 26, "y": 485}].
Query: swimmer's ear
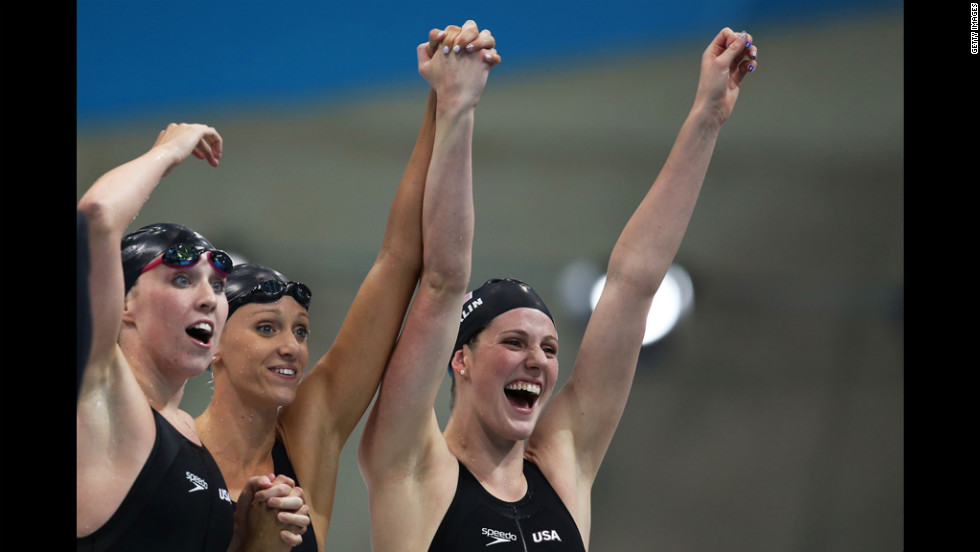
[
  {"x": 459, "y": 362},
  {"x": 127, "y": 316}
]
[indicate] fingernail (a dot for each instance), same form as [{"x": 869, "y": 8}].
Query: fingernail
[
  {"x": 741, "y": 35},
  {"x": 469, "y": 47},
  {"x": 445, "y": 49},
  {"x": 456, "y": 49},
  {"x": 748, "y": 43},
  {"x": 751, "y": 68},
  {"x": 488, "y": 57},
  {"x": 441, "y": 34}
]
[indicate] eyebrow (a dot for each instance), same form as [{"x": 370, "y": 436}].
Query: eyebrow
[
  {"x": 525, "y": 335},
  {"x": 267, "y": 307}
]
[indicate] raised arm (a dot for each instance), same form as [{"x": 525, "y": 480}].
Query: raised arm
[
  {"x": 402, "y": 430},
  {"x": 113, "y": 202},
  {"x": 334, "y": 395},
  {"x": 114, "y": 422},
  {"x": 340, "y": 385},
  {"x": 585, "y": 413}
]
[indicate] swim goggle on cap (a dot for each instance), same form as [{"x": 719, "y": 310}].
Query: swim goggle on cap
[
  {"x": 173, "y": 245},
  {"x": 489, "y": 301},
  {"x": 255, "y": 283}
]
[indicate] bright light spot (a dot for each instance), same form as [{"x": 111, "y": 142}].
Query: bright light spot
[{"x": 671, "y": 303}]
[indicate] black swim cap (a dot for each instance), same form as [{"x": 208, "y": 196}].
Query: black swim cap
[
  {"x": 489, "y": 301},
  {"x": 147, "y": 243},
  {"x": 255, "y": 283}
]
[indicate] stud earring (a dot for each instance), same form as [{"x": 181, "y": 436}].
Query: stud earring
[{"x": 462, "y": 372}]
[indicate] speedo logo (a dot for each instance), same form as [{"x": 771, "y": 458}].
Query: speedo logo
[
  {"x": 197, "y": 483},
  {"x": 498, "y": 536}
]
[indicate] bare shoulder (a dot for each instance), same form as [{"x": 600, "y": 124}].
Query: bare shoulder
[
  {"x": 115, "y": 432},
  {"x": 312, "y": 416},
  {"x": 408, "y": 507},
  {"x": 554, "y": 453}
]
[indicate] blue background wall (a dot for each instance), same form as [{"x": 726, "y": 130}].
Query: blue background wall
[{"x": 143, "y": 55}]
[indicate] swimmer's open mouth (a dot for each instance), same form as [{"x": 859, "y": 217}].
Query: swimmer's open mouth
[
  {"x": 523, "y": 394},
  {"x": 202, "y": 331}
]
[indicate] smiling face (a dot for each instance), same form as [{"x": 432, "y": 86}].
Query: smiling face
[
  {"x": 511, "y": 369},
  {"x": 263, "y": 352},
  {"x": 178, "y": 315}
]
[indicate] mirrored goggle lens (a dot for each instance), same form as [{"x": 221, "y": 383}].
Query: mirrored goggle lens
[
  {"x": 183, "y": 255},
  {"x": 273, "y": 290},
  {"x": 301, "y": 293},
  {"x": 221, "y": 260}
]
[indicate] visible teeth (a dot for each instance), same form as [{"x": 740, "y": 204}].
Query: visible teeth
[
  {"x": 202, "y": 331},
  {"x": 531, "y": 388},
  {"x": 285, "y": 371}
]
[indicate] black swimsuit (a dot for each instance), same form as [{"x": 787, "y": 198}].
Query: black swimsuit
[
  {"x": 282, "y": 466},
  {"x": 178, "y": 501},
  {"x": 477, "y": 520}
]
